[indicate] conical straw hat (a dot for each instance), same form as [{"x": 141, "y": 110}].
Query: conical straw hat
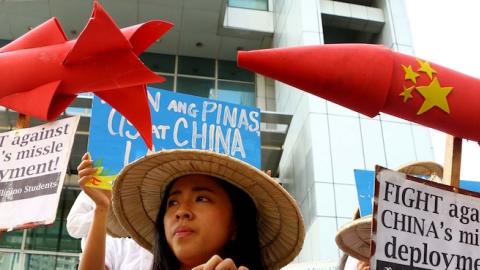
[{"x": 139, "y": 188}]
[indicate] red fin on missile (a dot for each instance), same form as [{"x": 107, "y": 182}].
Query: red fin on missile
[
  {"x": 132, "y": 103},
  {"x": 42, "y": 102},
  {"x": 100, "y": 35},
  {"x": 47, "y": 33},
  {"x": 141, "y": 36}
]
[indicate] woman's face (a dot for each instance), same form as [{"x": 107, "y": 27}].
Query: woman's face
[{"x": 198, "y": 220}]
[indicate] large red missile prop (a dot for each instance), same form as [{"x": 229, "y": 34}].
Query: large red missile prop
[
  {"x": 371, "y": 78},
  {"x": 42, "y": 72}
]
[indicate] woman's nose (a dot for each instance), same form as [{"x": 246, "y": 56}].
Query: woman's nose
[{"x": 183, "y": 212}]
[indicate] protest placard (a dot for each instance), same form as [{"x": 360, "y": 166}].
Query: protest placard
[
  {"x": 33, "y": 163},
  {"x": 423, "y": 225},
  {"x": 364, "y": 182},
  {"x": 178, "y": 121}
]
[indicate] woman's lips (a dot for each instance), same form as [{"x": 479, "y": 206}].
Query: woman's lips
[{"x": 183, "y": 231}]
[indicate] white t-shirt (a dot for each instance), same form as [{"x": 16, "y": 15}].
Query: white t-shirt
[
  {"x": 124, "y": 253},
  {"x": 120, "y": 253}
]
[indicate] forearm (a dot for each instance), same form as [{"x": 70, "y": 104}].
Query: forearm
[{"x": 93, "y": 256}]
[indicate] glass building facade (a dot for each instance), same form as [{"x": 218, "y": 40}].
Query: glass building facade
[
  {"x": 208, "y": 78},
  {"x": 250, "y": 4}
]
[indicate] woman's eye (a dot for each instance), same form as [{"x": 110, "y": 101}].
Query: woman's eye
[
  {"x": 172, "y": 203},
  {"x": 202, "y": 199}
]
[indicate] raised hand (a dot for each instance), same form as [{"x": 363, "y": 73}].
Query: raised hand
[
  {"x": 217, "y": 263},
  {"x": 101, "y": 197}
]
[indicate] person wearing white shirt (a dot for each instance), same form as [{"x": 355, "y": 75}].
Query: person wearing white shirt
[{"x": 121, "y": 253}]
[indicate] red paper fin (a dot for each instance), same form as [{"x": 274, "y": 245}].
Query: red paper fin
[
  {"x": 141, "y": 36},
  {"x": 42, "y": 102},
  {"x": 47, "y": 33},
  {"x": 132, "y": 103},
  {"x": 99, "y": 36}
]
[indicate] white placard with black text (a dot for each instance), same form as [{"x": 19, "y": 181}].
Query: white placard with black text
[
  {"x": 423, "y": 225},
  {"x": 33, "y": 163}
]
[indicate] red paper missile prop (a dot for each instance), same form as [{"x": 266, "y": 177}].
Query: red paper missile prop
[
  {"x": 371, "y": 78},
  {"x": 42, "y": 72}
]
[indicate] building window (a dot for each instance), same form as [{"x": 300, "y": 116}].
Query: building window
[
  {"x": 209, "y": 78},
  {"x": 9, "y": 260},
  {"x": 235, "y": 92},
  {"x": 250, "y": 4},
  {"x": 39, "y": 261},
  {"x": 196, "y": 66},
  {"x": 197, "y": 87},
  {"x": 228, "y": 70},
  {"x": 168, "y": 84},
  {"x": 159, "y": 62}
]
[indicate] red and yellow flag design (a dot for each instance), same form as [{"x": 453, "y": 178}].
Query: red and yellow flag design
[{"x": 371, "y": 78}]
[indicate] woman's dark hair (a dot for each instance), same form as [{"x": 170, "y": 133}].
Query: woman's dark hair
[{"x": 243, "y": 250}]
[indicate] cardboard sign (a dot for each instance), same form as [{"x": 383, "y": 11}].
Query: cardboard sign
[
  {"x": 364, "y": 183},
  {"x": 423, "y": 225},
  {"x": 33, "y": 163},
  {"x": 178, "y": 121}
]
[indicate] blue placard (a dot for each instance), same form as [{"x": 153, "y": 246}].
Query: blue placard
[
  {"x": 365, "y": 189},
  {"x": 178, "y": 121}
]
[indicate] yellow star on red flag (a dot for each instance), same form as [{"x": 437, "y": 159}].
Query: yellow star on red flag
[
  {"x": 407, "y": 93},
  {"x": 435, "y": 96},
  {"x": 425, "y": 67},
  {"x": 410, "y": 74}
]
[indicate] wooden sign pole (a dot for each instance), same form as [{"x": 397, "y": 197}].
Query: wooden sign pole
[
  {"x": 453, "y": 157},
  {"x": 23, "y": 121}
]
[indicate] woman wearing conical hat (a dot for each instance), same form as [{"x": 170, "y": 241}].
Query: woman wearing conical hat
[{"x": 197, "y": 210}]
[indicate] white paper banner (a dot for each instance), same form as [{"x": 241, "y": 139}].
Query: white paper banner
[
  {"x": 423, "y": 225},
  {"x": 33, "y": 163}
]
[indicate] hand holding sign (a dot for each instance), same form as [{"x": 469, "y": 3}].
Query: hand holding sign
[{"x": 86, "y": 172}]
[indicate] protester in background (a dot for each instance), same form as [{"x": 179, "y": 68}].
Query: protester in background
[
  {"x": 354, "y": 237},
  {"x": 79, "y": 220},
  {"x": 197, "y": 209}
]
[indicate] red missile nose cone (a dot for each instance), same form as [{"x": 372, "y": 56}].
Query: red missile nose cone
[{"x": 352, "y": 75}]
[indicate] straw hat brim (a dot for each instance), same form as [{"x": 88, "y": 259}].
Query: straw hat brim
[
  {"x": 428, "y": 168},
  {"x": 138, "y": 191},
  {"x": 114, "y": 229},
  {"x": 354, "y": 238}
]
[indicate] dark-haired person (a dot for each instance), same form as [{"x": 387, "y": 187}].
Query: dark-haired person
[{"x": 197, "y": 210}]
